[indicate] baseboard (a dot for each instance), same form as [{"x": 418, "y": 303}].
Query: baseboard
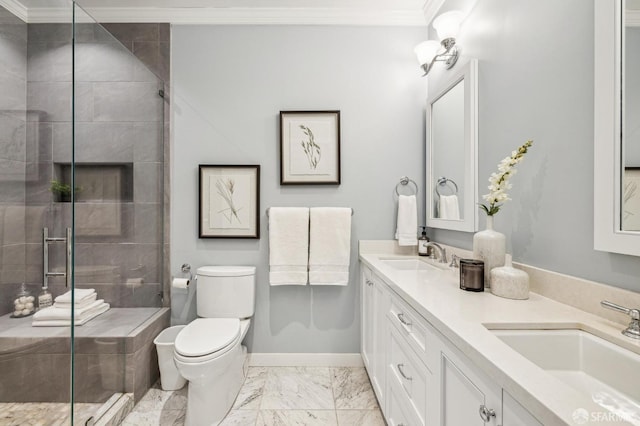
[{"x": 305, "y": 360}]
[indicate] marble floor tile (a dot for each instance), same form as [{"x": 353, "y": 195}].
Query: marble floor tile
[
  {"x": 297, "y": 388},
  {"x": 352, "y": 389},
  {"x": 250, "y": 394},
  {"x": 240, "y": 418},
  {"x": 360, "y": 418},
  {"x": 157, "y": 399},
  {"x": 297, "y": 418},
  {"x": 155, "y": 418}
]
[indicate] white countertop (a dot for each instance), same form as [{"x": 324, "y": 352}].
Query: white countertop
[{"x": 465, "y": 318}]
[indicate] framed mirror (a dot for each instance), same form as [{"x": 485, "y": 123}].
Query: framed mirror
[
  {"x": 451, "y": 154},
  {"x": 617, "y": 127}
]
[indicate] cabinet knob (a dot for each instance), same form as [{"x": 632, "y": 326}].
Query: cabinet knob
[
  {"x": 400, "y": 369},
  {"x": 402, "y": 320},
  {"x": 486, "y": 413}
]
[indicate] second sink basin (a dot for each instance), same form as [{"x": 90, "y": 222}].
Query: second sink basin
[{"x": 608, "y": 373}]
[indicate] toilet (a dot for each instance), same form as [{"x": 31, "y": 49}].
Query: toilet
[{"x": 208, "y": 351}]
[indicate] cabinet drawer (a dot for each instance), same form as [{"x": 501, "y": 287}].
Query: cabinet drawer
[
  {"x": 415, "y": 331},
  {"x": 409, "y": 374},
  {"x": 398, "y": 412}
]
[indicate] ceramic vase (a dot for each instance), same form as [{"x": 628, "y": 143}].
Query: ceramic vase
[
  {"x": 510, "y": 283},
  {"x": 490, "y": 247}
]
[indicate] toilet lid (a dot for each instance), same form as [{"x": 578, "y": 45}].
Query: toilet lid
[{"x": 207, "y": 335}]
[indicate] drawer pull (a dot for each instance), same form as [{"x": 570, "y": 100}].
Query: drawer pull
[
  {"x": 401, "y": 371},
  {"x": 486, "y": 413},
  {"x": 402, "y": 320}
]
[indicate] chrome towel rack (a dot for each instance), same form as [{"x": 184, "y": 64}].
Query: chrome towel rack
[
  {"x": 404, "y": 181},
  {"x": 442, "y": 182},
  {"x": 269, "y": 208}
]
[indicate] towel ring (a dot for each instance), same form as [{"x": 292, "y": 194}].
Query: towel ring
[
  {"x": 442, "y": 181},
  {"x": 404, "y": 180}
]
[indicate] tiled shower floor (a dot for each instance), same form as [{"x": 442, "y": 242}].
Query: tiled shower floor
[
  {"x": 274, "y": 396},
  {"x": 44, "y": 413}
]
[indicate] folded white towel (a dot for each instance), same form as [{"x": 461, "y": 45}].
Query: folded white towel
[
  {"x": 54, "y": 313},
  {"x": 79, "y": 296},
  {"x": 288, "y": 245},
  {"x": 448, "y": 207},
  {"x": 329, "y": 245},
  {"x": 66, "y": 323},
  {"x": 79, "y": 304},
  {"x": 407, "y": 229}
]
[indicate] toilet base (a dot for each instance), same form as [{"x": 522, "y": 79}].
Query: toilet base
[{"x": 212, "y": 394}]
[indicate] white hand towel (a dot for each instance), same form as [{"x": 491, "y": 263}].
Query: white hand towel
[
  {"x": 407, "y": 230},
  {"x": 448, "y": 207},
  {"x": 104, "y": 307},
  {"x": 83, "y": 303},
  {"x": 288, "y": 245},
  {"x": 80, "y": 295},
  {"x": 329, "y": 245},
  {"x": 54, "y": 313}
]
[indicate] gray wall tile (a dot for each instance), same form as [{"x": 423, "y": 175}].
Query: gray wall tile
[
  {"x": 50, "y": 61},
  {"x": 127, "y": 102}
]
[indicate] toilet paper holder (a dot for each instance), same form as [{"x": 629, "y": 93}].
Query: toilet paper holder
[{"x": 186, "y": 271}]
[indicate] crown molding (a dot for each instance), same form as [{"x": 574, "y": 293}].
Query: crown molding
[
  {"x": 239, "y": 16},
  {"x": 16, "y": 8}
]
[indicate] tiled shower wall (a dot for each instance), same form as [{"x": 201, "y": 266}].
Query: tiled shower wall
[
  {"x": 119, "y": 156},
  {"x": 13, "y": 155}
]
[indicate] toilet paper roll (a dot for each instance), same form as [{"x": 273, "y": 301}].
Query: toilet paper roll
[{"x": 180, "y": 283}]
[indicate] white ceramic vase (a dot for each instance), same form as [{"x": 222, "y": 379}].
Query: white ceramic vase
[
  {"x": 509, "y": 282},
  {"x": 489, "y": 246}
]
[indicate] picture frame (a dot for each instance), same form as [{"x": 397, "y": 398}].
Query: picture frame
[
  {"x": 229, "y": 201},
  {"x": 310, "y": 147}
]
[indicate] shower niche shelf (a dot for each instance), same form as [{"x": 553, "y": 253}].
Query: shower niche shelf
[{"x": 94, "y": 182}]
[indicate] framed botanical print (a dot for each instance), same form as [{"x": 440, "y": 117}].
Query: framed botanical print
[
  {"x": 309, "y": 147},
  {"x": 229, "y": 201}
]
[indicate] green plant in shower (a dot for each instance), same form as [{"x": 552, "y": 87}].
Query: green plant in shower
[
  {"x": 62, "y": 190},
  {"x": 311, "y": 148}
]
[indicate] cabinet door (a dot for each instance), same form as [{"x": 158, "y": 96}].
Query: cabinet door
[
  {"x": 464, "y": 394},
  {"x": 514, "y": 414},
  {"x": 380, "y": 338},
  {"x": 366, "y": 320}
]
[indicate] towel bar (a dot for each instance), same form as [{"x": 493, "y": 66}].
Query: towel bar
[{"x": 269, "y": 208}]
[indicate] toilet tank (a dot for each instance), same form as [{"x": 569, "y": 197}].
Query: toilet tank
[{"x": 226, "y": 291}]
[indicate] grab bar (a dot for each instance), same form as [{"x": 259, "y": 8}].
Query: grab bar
[{"x": 46, "y": 240}]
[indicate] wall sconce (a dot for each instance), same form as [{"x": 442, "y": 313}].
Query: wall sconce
[{"x": 447, "y": 26}]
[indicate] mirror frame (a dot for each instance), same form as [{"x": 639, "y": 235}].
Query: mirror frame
[
  {"x": 469, "y": 73},
  {"x": 607, "y": 233}
]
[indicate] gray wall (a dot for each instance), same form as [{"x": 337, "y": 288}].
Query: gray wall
[
  {"x": 229, "y": 84},
  {"x": 13, "y": 156},
  {"x": 531, "y": 89}
]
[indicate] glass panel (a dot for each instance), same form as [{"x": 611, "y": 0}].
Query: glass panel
[
  {"x": 35, "y": 122},
  {"x": 118, "y": 208}
]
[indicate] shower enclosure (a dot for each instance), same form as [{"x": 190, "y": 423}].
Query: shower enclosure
[{"x": 82, "y": 206}]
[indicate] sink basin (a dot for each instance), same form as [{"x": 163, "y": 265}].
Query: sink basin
[
  {"x": 408, "y": 264},
  {"x": 606, "y": 372}
]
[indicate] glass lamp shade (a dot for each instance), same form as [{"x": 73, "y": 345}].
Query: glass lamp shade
[
  {"x": 448, "y": 24},
  {"x": 426, "y": 51}
]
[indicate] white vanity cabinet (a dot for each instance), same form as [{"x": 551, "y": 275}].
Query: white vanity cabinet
[
  {"x": 420, "y": 378},
  {"x": 375, "y": 304}
]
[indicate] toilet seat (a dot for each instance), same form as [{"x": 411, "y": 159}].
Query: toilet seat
[{"x": 207, "y": 338}]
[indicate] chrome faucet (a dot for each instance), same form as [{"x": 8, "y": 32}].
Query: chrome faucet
[
  {"x": 442, "y": 252},
  {"x": 633, "y": 330}
]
